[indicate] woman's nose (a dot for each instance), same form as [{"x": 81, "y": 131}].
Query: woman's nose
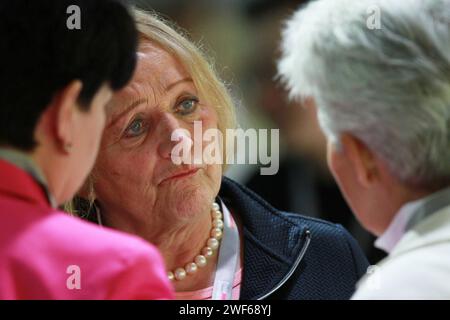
[{"x": 171, "y": 134}]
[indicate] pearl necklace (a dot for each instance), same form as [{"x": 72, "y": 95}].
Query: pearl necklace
[{"x": 212, "y": 244}]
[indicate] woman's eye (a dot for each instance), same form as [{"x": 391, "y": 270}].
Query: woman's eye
[
  {"x": 136, "y": 128},
  {"x": 187, "y": 106}
]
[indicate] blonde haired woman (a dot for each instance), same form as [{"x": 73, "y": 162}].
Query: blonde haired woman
[{"x": 219, "y": 240}]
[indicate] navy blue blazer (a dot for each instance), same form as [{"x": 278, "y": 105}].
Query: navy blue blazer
[{"x": 290, "y": 256}]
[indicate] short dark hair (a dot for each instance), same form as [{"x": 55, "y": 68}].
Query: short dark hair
[{"x": 40, "y": 55}]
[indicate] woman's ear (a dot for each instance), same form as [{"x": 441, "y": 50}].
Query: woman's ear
[
  {"x": 361, "y": 158},
  {"x": 65, "y": 105}
]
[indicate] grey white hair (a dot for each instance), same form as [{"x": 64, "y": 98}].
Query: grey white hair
[{"x": 389, "y": 87}]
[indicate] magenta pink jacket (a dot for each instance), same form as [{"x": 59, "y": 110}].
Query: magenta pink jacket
[{"x": 46, "y": 254}]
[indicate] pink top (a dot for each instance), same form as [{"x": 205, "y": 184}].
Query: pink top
[
  {"x": 206, "y": 294},
  {"x": 46, "y": 254}
]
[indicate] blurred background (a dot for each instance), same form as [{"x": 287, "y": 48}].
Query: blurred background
[{"x": 242, "y": 37}]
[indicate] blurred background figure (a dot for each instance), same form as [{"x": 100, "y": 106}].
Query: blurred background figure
[{"x": 243, "y": 36}]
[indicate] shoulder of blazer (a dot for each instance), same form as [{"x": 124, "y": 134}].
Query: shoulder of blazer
[{"x": 280, "y": 238}]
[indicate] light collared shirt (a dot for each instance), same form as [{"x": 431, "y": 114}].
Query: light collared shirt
[
  {"x": 409, "y": 214},
  {"x": 397, "y": 228}
]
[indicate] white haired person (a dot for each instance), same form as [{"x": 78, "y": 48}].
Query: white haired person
[{"x": 379, "y": 74}]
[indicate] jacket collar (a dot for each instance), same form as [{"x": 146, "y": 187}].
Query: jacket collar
[
  {"x": 410, "y": 215},
  {"x": 432, "y": 230},
  {"x": 18, "y": 182},
  {"x": 429, "y": 205},
  {"x": 274, "y": 244}
]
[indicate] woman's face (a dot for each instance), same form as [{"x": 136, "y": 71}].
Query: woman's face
[{"x": 134, "y": 173}]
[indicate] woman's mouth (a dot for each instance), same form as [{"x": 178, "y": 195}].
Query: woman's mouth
[{"x": 181, "y": 175}]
